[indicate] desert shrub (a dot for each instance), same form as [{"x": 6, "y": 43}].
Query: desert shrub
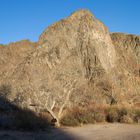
[
  {"x": 99, "y": 117},
  {"x": 122, "y": 111},
  {"x": 69, "y": 121},
  {"x": 93, "y": 114},
  {"x": 77, "y": 116},
  {"x": 137, "y": 116},
  {"x": 127, "y": 115},
  {"x": 112, "y": 114},
  {"x": 118, "y": 114},
  {"x": 123, "y": 114},
  {"x": 87, "y": 117},
  {"x": 71, "y": 118},
  {"x": 126, "y": 119}
]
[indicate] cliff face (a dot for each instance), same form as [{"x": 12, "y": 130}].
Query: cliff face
[
  {"x": 127, "y": 48},
  {"x": 76, "y": 62},
  {"x": 128, "y": 44},
  {"x": 130, "y": 51}
]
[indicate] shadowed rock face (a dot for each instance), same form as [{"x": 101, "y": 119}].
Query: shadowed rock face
[{"x": 77, "y": 62}]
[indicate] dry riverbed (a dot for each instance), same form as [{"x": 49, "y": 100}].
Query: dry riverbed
[{"x": 87, "y": 132}]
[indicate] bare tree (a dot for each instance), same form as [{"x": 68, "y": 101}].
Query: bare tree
[{"x": 47, "y": 101}]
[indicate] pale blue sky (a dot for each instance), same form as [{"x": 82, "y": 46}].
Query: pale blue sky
[{"x": 26, "y": 19}]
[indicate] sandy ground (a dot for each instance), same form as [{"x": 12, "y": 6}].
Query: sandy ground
[{"x": 88, "y": 132}]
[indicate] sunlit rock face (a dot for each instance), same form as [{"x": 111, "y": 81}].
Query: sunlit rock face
[
  {"x": 81, "y": 52},
  {"x": 75, "y": 62},
  {"x": 127, "y": 48}
]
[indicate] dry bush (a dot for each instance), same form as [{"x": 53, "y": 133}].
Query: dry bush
[
  {"x": 118, "y": 114},
  {"x": 126, "y": 119},
  {"x": 137, "y": 116},
  {"x": 99, "y": 117},
  {"x": 77, "y": 116},
  {"x": 97, "y": 113},
  {"x": 71, "y": 118},
  {"x": 112, "y": 114}
]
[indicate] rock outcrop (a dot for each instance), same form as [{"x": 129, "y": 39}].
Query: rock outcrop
[{"x": 76, "y": 62}]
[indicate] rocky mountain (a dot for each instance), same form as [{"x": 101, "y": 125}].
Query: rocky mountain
[{"x": 76, "y": 62}]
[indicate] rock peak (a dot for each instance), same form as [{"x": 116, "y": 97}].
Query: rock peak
[
  {"x": 77, "y": 63},
  {"x": 81, "y": 13}
]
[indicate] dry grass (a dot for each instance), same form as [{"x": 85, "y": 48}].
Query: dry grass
[
  {"x": 78, "y": 116},
  {"x": 97, "y": 113}
]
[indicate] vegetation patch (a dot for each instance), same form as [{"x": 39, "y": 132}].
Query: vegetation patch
[
  {"x": 90, "y": 115},
  {"x": 78, "y": 116}
]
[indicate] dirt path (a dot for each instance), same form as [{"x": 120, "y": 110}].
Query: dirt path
[
  {"x": 88, "y": 132},
  {"x": 107, "y": 132}
]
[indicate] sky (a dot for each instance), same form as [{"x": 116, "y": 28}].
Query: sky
[{"x": 27, "y": 19}]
